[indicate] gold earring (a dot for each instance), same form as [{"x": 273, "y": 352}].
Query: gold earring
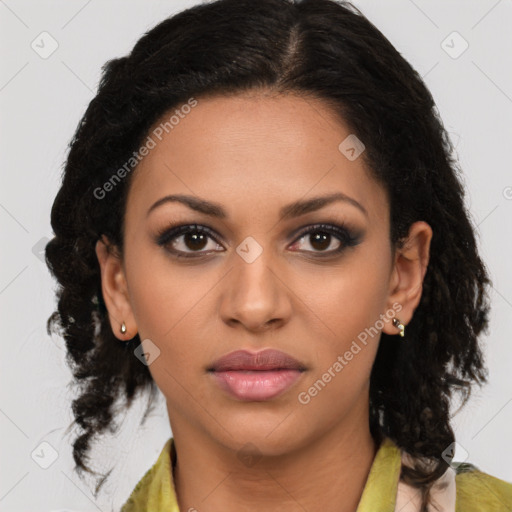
[
  {"x": 123, "y": 328},
  {"x": 399, "y": 325}
]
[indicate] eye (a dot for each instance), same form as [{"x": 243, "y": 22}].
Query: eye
[
  {"x": 184, "y": 241},
  {"x": 191, "y": 240},
  {"x": 322, "y": 236}
]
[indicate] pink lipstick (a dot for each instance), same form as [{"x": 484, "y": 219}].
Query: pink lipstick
[{"x": 256, "y": 376}]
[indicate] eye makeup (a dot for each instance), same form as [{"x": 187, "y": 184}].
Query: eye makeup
[{"x": 199, "y": 235}]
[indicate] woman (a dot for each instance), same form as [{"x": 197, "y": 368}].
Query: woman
[{"x": 261, "y": 217}]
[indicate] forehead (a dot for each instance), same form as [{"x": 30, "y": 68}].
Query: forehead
[{"x": 253, "y": 149}]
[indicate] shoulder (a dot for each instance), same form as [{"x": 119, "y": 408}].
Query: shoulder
[
  {"x": 479, "y": 491},
  {"x": 139, "y": 497},
  {"x": 155, "y": 490}
]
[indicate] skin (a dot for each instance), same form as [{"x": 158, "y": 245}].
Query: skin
[{"x": 255, "y": 153}]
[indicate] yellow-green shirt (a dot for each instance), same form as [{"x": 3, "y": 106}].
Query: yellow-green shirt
[{"x": 475, "y": 491}]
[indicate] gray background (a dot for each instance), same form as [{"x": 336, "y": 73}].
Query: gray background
[{"x": 42, "y": 100}]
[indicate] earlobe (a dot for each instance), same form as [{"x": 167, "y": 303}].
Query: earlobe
[
  {"x": 410, "y": 267},
  {"x": 114, "y": 290}
]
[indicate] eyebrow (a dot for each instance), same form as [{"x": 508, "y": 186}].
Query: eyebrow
[{"x": 295, "y": 209}]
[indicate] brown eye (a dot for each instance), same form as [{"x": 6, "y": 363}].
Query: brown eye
[
  {"x": 322, "y": 236},
  {"x": 195, "y": 241},
  {"x": 184, "y": 241},
  {"x": 320, "y": 240}
]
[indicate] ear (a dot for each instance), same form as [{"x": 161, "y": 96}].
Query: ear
[
  {"x": 115, "y": 290},
  {"x": 406, "y": 280}
]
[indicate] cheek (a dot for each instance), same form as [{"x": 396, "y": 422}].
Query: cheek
[
  {"x": 343, "y": 317},
  {"x": 164, "y": 309},
  {"x": 160, "y": 292},
  {"x": 160, "y": 300},
  {"x": 170, "y": 304},
  {"x": 347, "y": 298}
]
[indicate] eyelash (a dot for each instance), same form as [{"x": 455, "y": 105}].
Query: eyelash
[{"x": 342, "y": 233}]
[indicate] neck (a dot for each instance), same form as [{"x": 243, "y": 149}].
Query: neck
[{"x": 327, "y": 473}]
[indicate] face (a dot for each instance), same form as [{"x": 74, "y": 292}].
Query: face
[{"x": 256, "y": 270}]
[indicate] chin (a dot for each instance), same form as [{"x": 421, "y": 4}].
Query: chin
[{"x": 263, "y": 434}]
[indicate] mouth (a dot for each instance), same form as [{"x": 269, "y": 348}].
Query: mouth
[{"x": 256, "y": 376}]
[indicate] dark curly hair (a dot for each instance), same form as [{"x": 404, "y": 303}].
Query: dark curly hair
[{"x": 320, "y": 49}]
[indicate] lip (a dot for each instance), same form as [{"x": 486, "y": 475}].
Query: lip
[
  {"x": 256, "y": 376},
  {"x": 268, "y": 359}
]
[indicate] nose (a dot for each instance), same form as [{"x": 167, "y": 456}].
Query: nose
[{"x": 255, "y": 296}]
